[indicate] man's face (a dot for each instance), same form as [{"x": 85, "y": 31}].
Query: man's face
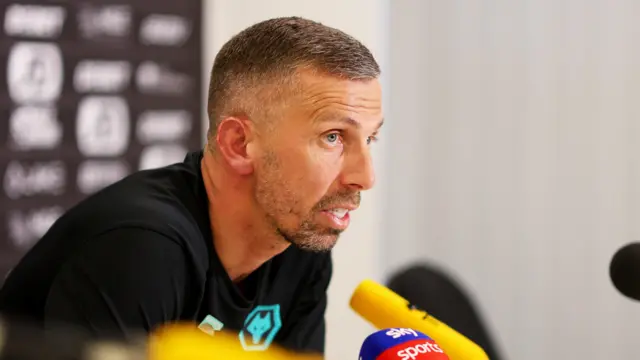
[{"x": 316, "y": 159}]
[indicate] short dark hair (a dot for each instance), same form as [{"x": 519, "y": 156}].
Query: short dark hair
[{"x": 269, "y": 52}]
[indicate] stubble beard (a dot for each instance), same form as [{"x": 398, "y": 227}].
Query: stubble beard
[{"x": 279, "y": 200}]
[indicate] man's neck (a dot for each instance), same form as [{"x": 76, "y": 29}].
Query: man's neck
[{"x": 240, "y": 238}]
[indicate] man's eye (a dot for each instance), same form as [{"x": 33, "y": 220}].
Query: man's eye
[
  {"x": 333, "y": 137},
  {"x": 371, "y": 139}
]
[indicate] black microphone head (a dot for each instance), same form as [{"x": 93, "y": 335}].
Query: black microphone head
[{"x": 625, "y": 270}]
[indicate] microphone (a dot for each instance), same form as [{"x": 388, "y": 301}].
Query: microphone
[
  {"x": 385, "y": 309},
  {"x": 624, "y": 270},
  {"x": 26, "y": 341},
  {"x": 400, "y": 344}
]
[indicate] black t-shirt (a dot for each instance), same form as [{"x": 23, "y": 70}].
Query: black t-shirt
[{"x": 139, "y": 254}]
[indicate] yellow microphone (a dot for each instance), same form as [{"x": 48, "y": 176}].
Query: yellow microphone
[
  {"x": 185, "y": 341},
  {"x": 384, "y": 309}
]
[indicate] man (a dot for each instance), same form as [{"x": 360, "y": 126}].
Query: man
[{"x": 238, "y": 236}]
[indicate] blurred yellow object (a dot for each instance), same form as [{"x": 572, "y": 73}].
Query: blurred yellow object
[{"x": 185, "y": 341}]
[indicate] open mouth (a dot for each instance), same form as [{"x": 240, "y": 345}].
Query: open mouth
[
  {"x": 338, "y": 218},
  {"x": 339, "y": 213}
]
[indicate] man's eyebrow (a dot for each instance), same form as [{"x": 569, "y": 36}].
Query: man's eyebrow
[{"x": 348, "y": 120}]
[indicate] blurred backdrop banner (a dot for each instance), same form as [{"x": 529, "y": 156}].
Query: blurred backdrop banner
[{"x": 90, "y": 91}]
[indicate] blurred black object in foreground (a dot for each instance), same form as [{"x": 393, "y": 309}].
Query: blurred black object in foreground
[
  {"x": 437, "y": 293},
  {"x": 624, "y": 270}
]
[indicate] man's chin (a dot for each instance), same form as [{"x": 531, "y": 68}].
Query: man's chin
[{"x": 319, "y": 244}]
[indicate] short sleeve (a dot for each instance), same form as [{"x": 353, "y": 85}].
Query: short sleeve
[{"x": 124, "y": 282}]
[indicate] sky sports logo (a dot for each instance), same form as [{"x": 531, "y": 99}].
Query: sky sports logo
[
  {"x": 415, "y": 351},
  {"x": 400, "y": 344},
  {"x": 400, "y": 332}
]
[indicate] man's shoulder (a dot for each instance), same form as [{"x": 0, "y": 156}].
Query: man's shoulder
[
  {"x": 158, "y": 196},
  {"x": 163, "y": 200}
]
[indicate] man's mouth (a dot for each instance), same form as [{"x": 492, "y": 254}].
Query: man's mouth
[
  {"x": 338, "y": 217},
  {"x": 338, "y": 212}
]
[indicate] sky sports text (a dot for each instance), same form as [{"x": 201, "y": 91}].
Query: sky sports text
[
  {"x": 396, "y": 333},
  {"x": 412, "y": 352}
]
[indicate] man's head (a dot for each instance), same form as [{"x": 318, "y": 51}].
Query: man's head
[{"x": 293, "y": 108}]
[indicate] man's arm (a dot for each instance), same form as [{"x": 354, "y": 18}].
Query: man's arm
[
  {"x": 306, "y": 333},
  {"x": 123, "y": 282}
]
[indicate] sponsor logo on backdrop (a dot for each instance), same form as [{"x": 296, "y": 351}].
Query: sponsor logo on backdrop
[
  {"x": 27, "y": 227},
  {"x": 94, "y": 175},
  {"x": 102, "y": 76},
  {"x": 164, "y": 30},
  {"x": 156, "y": 156},
  {"x": 39, "y": 178},
  {"x": 104, "y": 21},
  {"x": 34, "y": 72},
  {"x": 154, "y": 78},
  {"x": 35, "y": 21},
  {"x": 102, "y": 126},
  {"x": 34, "y": 128},
  {"x": 163, "y": 126}
]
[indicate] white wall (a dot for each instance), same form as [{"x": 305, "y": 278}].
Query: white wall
[
  {"x": 516, "y": 145},
  {"x": 513, "y": 160},
  {"x": 357, "y": 254}
]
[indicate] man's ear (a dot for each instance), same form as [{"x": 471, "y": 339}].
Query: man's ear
[{"x": 233, "y": 136}]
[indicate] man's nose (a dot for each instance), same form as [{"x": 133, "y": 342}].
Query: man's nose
[{"x": 358, "y": 172}]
